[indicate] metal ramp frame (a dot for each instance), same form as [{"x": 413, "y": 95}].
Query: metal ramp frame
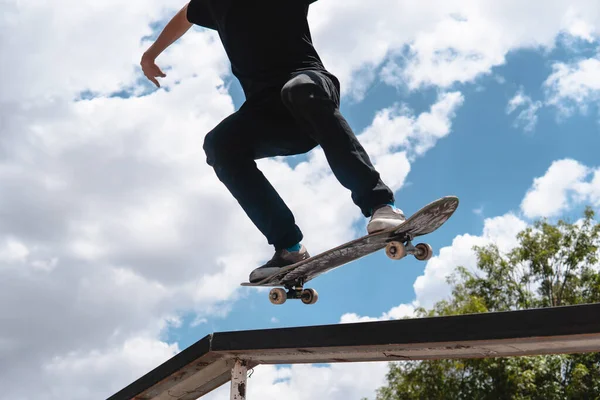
[{"x": 226, "y": 356}]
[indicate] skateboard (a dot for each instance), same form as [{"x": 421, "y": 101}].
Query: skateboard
[{"x": 397, "y": 242}]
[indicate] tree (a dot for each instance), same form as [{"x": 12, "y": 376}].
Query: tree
[{"x": 552, "y": 265}]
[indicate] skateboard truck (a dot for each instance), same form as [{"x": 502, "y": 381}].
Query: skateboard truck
[
  {"x": 294, "y": 291},
  {"x": 396, "y": 249}
]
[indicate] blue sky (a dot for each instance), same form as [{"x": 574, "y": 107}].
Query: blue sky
[{"x": 117, "y": 246}]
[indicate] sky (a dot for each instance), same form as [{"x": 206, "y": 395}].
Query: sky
[{"x": 119, "y": 247}]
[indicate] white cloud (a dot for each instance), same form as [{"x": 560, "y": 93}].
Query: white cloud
[
  {"x": 528, "y": 116},
  {"x": 564, "y": 185},
  {"x": 438, "y": 42},
  {"x": 104, "y": 201},
  {"x": 396, "y": 127},
  {"x": 571, "y": 87},
  {"x": 431, "y": 287},
  {"x": 82, "y": 375},
  {"x": 398, "y": 312},
  {"x": 13, "y": 251},
  {"x": 332, "y": 382},
  {"x": 580, "y": 26},
  {"x": 574, "y": 86},
  {"x": 452, "y": 41}
]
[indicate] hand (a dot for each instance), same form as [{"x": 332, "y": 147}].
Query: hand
[{"x": 150, "y": 69}]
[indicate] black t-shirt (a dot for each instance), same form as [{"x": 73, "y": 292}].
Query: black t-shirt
[{"x": 265, "y": 40}]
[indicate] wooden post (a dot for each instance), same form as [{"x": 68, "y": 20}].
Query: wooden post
[{"x": 239, "y": 375}]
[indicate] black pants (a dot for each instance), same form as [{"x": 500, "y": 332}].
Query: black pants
[{"x": 287, "y": 120}]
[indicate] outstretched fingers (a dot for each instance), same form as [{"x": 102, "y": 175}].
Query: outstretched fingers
[{"x": 152, "y": 71}]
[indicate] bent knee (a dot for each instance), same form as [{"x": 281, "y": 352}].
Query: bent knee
[
  {"x": 221, "y": 147},
  {"x": 209, "y": 148},
  {"x": 215, "y": 147}
]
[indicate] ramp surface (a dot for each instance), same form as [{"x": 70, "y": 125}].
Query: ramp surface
[{"x": 207, "y": 364}]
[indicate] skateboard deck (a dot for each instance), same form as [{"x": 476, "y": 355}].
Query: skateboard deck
[{"x": 397, "y": 242}]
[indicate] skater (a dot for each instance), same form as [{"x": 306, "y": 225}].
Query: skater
[{"x": 292, "y": 105}]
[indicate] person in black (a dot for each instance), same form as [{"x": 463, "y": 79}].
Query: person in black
[{"x": 292, "y": 105}]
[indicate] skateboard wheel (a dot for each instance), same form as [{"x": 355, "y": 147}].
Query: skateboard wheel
[
  {"x": 424, "y": 252},
  {"x": 277, "y": 296},
  {"x": 309, "y": 296},
  {"x": 395, "y": 250}
]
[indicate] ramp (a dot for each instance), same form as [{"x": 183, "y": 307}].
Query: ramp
[{"x": 213, "y": 360}]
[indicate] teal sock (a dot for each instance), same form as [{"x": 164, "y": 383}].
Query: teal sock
[{"x": 295, "y": 247}]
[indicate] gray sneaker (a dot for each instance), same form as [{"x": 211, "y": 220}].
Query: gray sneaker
[
  {"x": 384, "y": 218},
  {"x": 282, "y": 258}
]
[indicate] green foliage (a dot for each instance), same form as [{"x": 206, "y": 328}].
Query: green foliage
[{"x": 552, "y": 265}]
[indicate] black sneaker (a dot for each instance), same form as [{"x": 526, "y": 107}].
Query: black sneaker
[{"x": 282, "y": 258}]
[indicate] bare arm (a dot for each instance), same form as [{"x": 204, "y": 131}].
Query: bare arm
[{"x": 177, "y": 26}]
